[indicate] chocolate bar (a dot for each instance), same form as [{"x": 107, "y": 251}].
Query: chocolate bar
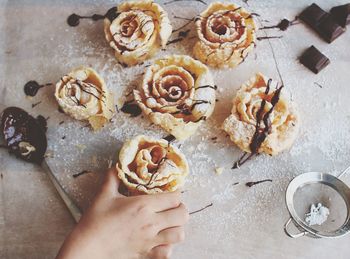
[
  {"x": 341, "y": 14},
  {"x": 314, "y": 60},
  {"x": 322, "y": 22}
]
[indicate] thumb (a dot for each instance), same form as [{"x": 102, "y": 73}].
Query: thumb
[{"x": 111, "y": 183}]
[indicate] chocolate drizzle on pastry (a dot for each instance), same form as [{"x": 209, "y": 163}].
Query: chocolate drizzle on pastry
[
  {"x": 24, "y": 135},
  {"x": 74, "y": 19},
  {"x": 260, "y": 133}
]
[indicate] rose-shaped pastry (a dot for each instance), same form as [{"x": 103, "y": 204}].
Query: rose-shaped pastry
[
  {"x": 83, "y": 95},
  {"x": 177, "y": 93},
  {"x": 226, "y": 34},
  {"x": 148, "y": 165},
  {"x": 137, "y": 30},
  {"x": 261, "y": 112}
]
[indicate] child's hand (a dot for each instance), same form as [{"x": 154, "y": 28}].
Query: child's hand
[{"x": 122, "y": 227}]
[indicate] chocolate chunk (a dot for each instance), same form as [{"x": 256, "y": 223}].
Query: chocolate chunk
[
  {"x": 341, "y": 14},
  {"x": 314, "y": 60},
  {"x": 24, "y": 135},
  {"x": 313, "y": 15},
  {"x": 330, "y": 29},
  {"x": 322, "y": 22}
]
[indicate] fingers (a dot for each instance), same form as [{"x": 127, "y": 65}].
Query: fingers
[
  {"x": 173, "y": 217},
  {"x": 171, "y": 236},
  {"x": 111, "y": 183},
  {"x": 163, "y": 201},
  {"x": 161, "y": 252}
]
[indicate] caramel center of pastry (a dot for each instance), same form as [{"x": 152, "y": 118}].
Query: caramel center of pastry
[
  {"x": 148, "y": 160},
  {"x": 80, "y": 93},
  {"x": 132, "y": 30},
  {"x": 171, "y": 87},
  {"x": 224, "y": 26},
  {"x": 128, "y": 27}
]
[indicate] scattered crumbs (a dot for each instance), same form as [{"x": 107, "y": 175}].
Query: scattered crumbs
[
  {"x": 81, "y": 147},
  {"x": 219, "y": 170},
  {"x": 81, "y": 173}
]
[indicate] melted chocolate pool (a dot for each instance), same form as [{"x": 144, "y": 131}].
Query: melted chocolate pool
[
  {"x": 32, "y": 87},
  {"x": 24, "y": 135}
]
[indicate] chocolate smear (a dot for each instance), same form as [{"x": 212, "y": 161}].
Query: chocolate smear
[
  {"x": 196, "y": 211},
  {"x": 283, "y": 25},
  {"x": 81, "y": 173},
  {"x": 170, "y": 138},
  {"x": 73, "y": 20},
  {"x": 184, "y": 34},
  {"x": 174, "y": 41},
  {"x": 269, "y": 37},
  {"x": 131, "y": 108},
  {"x": 32, "y": 87},
  {"x": 250, "y": 184},
  {"x": 24, "y": 136},
  {"x": 36, "y": 104}
]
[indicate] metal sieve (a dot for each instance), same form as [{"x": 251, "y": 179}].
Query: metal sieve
[{"x": 312, "y": 188}]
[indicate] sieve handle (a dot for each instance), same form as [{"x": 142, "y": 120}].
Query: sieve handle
[{"x": 291, "y": 234}]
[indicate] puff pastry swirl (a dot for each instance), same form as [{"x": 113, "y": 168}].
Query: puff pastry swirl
[
  {"x": 83, "y": 95},
  {"x": 177, "y": 93},
  {"x": 226, "y": 34},
  {"x": 138, "y": 30},
  {"x": 283, "y": 119},
  {"x": 149, "y": 165}
]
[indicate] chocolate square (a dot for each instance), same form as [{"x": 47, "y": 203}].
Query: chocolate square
[
  {"x": 329, "y": 29},
  {"x": 341, "y": 14},
  {"x": 313, "y": 15},
  {"x": 314, "y": 60},
  {"x": 322, "y": 22}
]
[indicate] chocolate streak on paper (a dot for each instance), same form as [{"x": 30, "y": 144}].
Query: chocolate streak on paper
[{"x": 74, "y": 19}]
